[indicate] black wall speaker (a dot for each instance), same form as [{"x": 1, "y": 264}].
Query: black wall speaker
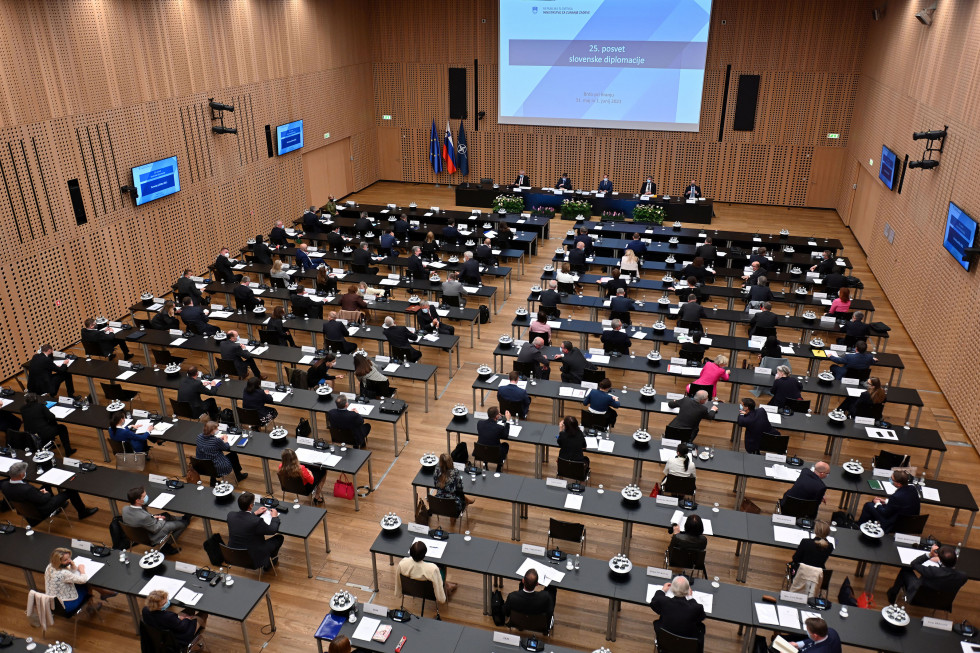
[
  {"x": 75, "y": 192},
  {"x": 268, "y": 140},
  {"x": 745, "y": 103},
  {"x": 457, "y": 93}
]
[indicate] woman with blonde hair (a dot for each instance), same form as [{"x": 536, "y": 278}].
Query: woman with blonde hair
[
  {"x": 810, "y": 560},
  {"x": 429, "y": 246},
  {"x": 630, "y": 263},
  {"x": 185, "y": 626},
  {"x": 277, "y": 272},
  {"x": 291, "y": 468},
  {"x": 712, "y": 372},
  {"x": 68, "y": 582}
]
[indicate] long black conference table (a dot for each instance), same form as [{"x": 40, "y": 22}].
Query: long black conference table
[{"x": 236, "y": 602}]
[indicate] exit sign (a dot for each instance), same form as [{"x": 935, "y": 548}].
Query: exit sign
[
  {"x": 386, "y": 117},
  {"x": 831, "y": 135}
]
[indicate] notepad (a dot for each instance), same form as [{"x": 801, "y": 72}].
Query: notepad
[
  {"x": 91, "y": 566},
  {"x": 55, "y": 476},
  {"x": 766, "y": 613},
  {"x": 62, "y": 412},
  {"x": 433, "y": 548},
  {"x": 188, "y": 597},
  {"x": 664, "y": 408},
  {"x": 366, "y": 628},
  {"x": 573, "y": 501},
  {"x": 162, "y": 500},
  {"x": 125, "y": 375},
  {"x": 169, "y": 585},
  {"x": 546, "y": 573}
]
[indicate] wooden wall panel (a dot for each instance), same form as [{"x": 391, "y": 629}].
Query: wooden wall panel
[
  {"x": 916, "y": 78},
  {"x": 808, "y": 55},
  {"x": 90, "y": 89}
]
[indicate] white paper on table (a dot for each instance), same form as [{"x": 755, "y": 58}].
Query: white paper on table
[
  {"x": 161, "y": 427},
  {"x": 307, "y": 360},
  {"x": 664, "y": 408},
  {"x": 5, "y": 463},
  {"x": 554, "y": 324},
  {"x": 366, "y": 628},
  {"x": 278, "y": 396},
  {"x": 789, "y": 535},
  {"x": 930, "y": 493},
  {"x": 908, "y": 555},
  {"x": 573, "y": 502},
  {"x": 600, "y": 359},
  {"x": 514, "y": 431},
  {"x": 606, "y": 445},
  {"x": 436, "y": 264},
  {"x": 433, "y": 548},
  {"x": 266, "y": 517},
  {"x": 666, "y": 454},
  {"x": 766, "y": 613},
  {"x": 546, "y": 573},
  {"x": 775, "y": 418},
  {"x": 590, "y": 443},
  {"x": 392, "y": 367},
  {"x": 91, "y": 566},
  {"x": 62, "y": 412},
  {"x": 362, "y": 409},
  {"x": 169, "y": 585},
  {"x": 55, "y": 476},
  {"x": 188, "y": 597},
  {"x": 220, "y": 314},
  {"x": 125, "y": 375},
  {"x": 789, "y": 617},
  {"x": 783, "y": 348},
  {"x": 854, "y": 392},
  {"x": 162, "y": 500},
  {"x": 882, "y": 434},
  {"x": 258, "y": 351},
  {"x": 889, "y": 488},
  {"x": 431, "y": 337},
  {"x": 783, "y": 473},
  {"x": 5, "y": 402}
]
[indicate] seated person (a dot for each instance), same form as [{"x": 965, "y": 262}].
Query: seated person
[
  {"x": 573, "y": 363},
  {"x": 526, "y": 601},
  {"x": 620, "y": 307},
  {"x": 68, "y": 583},
  {"x": 335, "y": 335},
  {"x": 601, "y": 401},
  {"x": 540, "y": 327},
  {"x": 859, "y": 361},
  {"x": 549, "y": 300},
  {"x": 429, "y": 321},
  {"x": 835, "y": 280},
  {"x": 166, "y": 318},
  {"x": 755, "y": 421},
  {"x": 196, "y": 318},
  {"x": 361, "y": 260},
  {"x": 692, "y": 411},
  {"x": 341, "y": 644},
  {"x": 691, "y": 313},
  {"x": 16, "y": 488},
  {"x": 630, "y": 263},
  {"x": 159, "y": 527},
  {"x": 214, "y": 447},
  {"x": 40, "y": 421},
  {"x": 692, "y": 537},
  {"x": 132, "y": 440},
  {"x": 679, "y": 613},
  {"x": 904, "y": 502},
  {"x": 809, "y": 486},
  {"x": 300, "y": 304},
  {"x": 364, "y": 371},
  {"x": 352, "y": 300},
  {"x": 44, "y": 376},
  {"x": 185, "y": 625},
  {"x": 190, "y": 390},
  {"x": 247, "y": 530},
  {"x": 869, "y": 403},
  {"x": 531, "y": 353},
  {"x": 514, "y": 393},
  {"x": 256, "y": 398},
  {"x": 325, "y": 281},
  {"x": 695, "y": 269},
  {"x": 417, "y": 568},
  {"x": 319, "y": 372},
  {"x": 234, "y": 350},
  {"x": 940, "y": 576},
  {"x": 615, "y": 283},
  {"x": 810, "y": 560},
  {"x": 841, "y": 303},
  {"x": 343, "y": 418},
  {"x": 493, "y": 432},
  {"x": 104, "y": 339},
  {"x": 616, "y": 339},
  {"x": 786, "y": 386},
  {"x": 401, "y": 338},
  {"x": 682, "y": 464},
  {"x": 449, "y": 484},
  {"x": 245, "y": 299},
  {"x": 275, "y": 325},
  {"x": 571, "y": 441},
  {"x": 290, "y": 467},
  {"x": 854, "y": 329},
  {"x": 820, "y": 638}
]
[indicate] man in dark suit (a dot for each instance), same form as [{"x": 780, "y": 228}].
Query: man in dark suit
[
  {"x": 679, "y": 613},
  {"x": 45, "y": 377},
  {"x": 363, "y": 223},
  {"x": 261, "y": 253},
  {"x": 904, "y": 502},
  {"x": 522, "y": 179},
  {"x": 692, "y": 411},
  {"x": 399, "y": 337},
  {"x": 615, "y": 283},
  {"x": 493, "y": 432},
  {"x": 616, "y": 339},
  {"x": 303, "y": 259},
  {"x": 429, "y": 322},
  {"x": 278, "y": 236},
  {"x": 484, "y": 253},
  {"x": 573, "y": 363},
  {"x": 196, "y": 318},
  {"x": 648, "y": 187},
  {"x": 244, "y": 297},
  {"x": 247, "y": 530},
  {"x": 186, "y": 287},
  {"x": 760, "y": 256},
  {"x": 18, "y": 489},
  {"x": 401, "y": 227},
  {"x": 810, "y": 486},
  {"x": 693, "y": 191},
  {"x": 335, "y": 240},
  {"x": 335, "y": 334},
  {"x": 104, "y": 339},
  {"x": 515, "y": 394},
  {"x": 415, "y": 268},
  {"x": 764, "y": 319},
  {"x": 691, "y": 311},
  {"x": 190, "y": 390},
  {"x": 620, "y": 307},
  {"x": 855, "y": 329},
  {"x": 564, "y": 182},
  {"x": 605, "y": 186},
  {"x": 40, "y": 421},
  {"x": 825, "y": 265},
  {"x": 469, "y": 271},
  {"x": 638, "y": 246},
  {"x": 526, "y": 601},
  {"x": 302, "y": 305},
  {"x": 531, "y": 353},
  {"x": 707, "y": 251},
  {"x": 753, "y": 277},
  {"x": 386, "y": 245},
  {"x": 450, "y": 233},
  {"x": 821, "y": 638},
  {"x": 834, "y": 281},
  {"x": 223, "y": 267},
  {"x": 576, "y": 258},
  {"x": 583, "y": 237},
  {"x": 942, "y": 578},
  {"x": 759, "y": 293},
  {"x": 233, "y": 350},
  {"x": 550, "y": 298},
  {"x": 311, "y": 221},
  {"x": 859, "y": 361},
  {"x": 361, "y": 260},
  {"x": 343, "y": 418}
]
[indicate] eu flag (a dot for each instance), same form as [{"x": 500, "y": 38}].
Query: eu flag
[
  {"x": 462, "y": 156},
  {"x": 435, "y": 151}
]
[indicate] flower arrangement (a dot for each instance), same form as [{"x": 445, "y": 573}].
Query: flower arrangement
[
  {"x": 575, "y": 210},
  {"x": 509, "y": 203},
  {"x": 546, "y": 211},
  {"x": 649, "y": 213},
  {"x": 612, "y": 216}
]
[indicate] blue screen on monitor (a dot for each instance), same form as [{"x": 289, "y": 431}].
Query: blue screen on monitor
[
  {"x": 289, "y": 137},
  {"x": 961, "y": 232},
  {"x": 889, "y": 166},
  {"x": 156, "y": 180}
]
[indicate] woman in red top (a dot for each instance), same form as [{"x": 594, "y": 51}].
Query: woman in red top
[
  {"x": 290, "y": 467},
  {"x": 842, "y": 303},
  {"x": 351, "y": 301}
]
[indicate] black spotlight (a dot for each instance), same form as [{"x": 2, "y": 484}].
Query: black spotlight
[
  {"x": 933, "y": 135},
  {"x": 218, "y": 106},
  {"x": 220, "y": 129},
  {"x": 925, "y": 164}
]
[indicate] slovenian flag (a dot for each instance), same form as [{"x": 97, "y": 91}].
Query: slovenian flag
[
  {"x": 434, "y": 156},
  {"x": 449, "y": 151}
]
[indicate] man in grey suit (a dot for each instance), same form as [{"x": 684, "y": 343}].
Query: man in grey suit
[
  {"x": 233, "y": 350},
  {"x": 159, "y": 527},
  {"x": 692, "y": 411},
  {"x": 452, "y": 287}
]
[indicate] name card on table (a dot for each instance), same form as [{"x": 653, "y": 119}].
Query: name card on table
[
  {"x": 267, "y": 385},
  {"x": 434, "y": 209},
  {"x": 793, "y": 597},
  {"x": 556, "y": 482},
  {"x": 309, "y": 442},
  {"x": 671, "y": 396},
  {"x": 681, "y": 331},
  {"x": 666, "y": 501},
  {"x": 506, "y": 638},
  {"x": 847, "y": 381},
  {"x": 766, "y": 371},
  {"x": 70, "y": 462},
  {"x": 308, "y": 350},
  {"x": 881, "y": 473},
  {"x": 938, "y": 624},
  {"x": 418, "y": 528},
  {"x": 382, "y": 360},
  {"x": 775, "y": 458},
  {"x": 176, "y": 332},
  {"x": 904, "y": 538},
  {"x": 185, "y": 567},
  {"x": 125, "y": 364},
  {"x": 674, "y": 360},
  {"x": 532, "y": 550},
  {"x": 788, "y": 520},
  {"x": 657, "y": 572},
  {"x": 140, "y": 414},
  {"x": 81, "y": 545},
  {"x": 670, "y": 442},
  {"x": 838, "y": 348},
  {"x": 158, "y": 478},
  {"x": 375, "y": 609},
  {"x": 866, "y": 421}
]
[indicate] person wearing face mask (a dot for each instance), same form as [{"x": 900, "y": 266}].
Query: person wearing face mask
[
  {"x": 755, "y": 421},
  {"x": 224, "y": 267},
  {"x": 160, "y": 527},
  {"x": 185, "y": 626}
]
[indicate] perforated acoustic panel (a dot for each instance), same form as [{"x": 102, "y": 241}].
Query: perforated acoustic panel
[
  {"x": 807, "y": 55},
  {"x": 93, "y": 89}
]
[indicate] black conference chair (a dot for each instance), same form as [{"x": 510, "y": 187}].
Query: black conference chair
[
  {"x": 446, "y": 507},
  {"x": 488, "y": 454},
  {"x": 668, "y": 642},
  {"x": 525, "y": 370},
  {"x": 566, "y": 531},
  {"x": 419, "y": 589},
  {"x": 793, "y": 507},
  {"x": 377, "y": 389},
  {"x": 678, "y": 433},
  {"x": 911, "y": 524},
  {"x": 928, "y": 598},
  {"x": 515, "y": 407},
  {"x": 250, "y": 417},
  {"x": 344, "y": 437},
  {"x": 763, "y": 331},
  {"x": 272, "y": 337},
  {"x": 162, "y": 357},
  {"x": 593, "y": 376},
  {"x": 695, "y": 387},
  {"x": 679, "y": 486},
  {"x": 30, "y": 513},
  {"x": 860, "y": 375},
  {"x": 153, "y": 640},
  {"x": 797, "y": 405},
  {"x": 115, "y": 392},
  {"x": 183, "y": 410},
  {"x": 686, "y": 559},
  {"x": 590, "y": 420},
  {"x": 889, "y": 460},
  {"x": 227, "y": 367},
  {"x": 535, "y": 623},
  {"x": 242, "y": 558},
  {"x": 577, "y": 470},
  {"x": 773, "y": 443},
  {"x": 205, "y": 468},
  {"x": 141, "y": 536}
]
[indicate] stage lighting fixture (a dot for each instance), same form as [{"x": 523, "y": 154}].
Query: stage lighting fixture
[
  {"x": 925, "y": 164},
  {"x": 933, "y": 135},
  {"x": 925, "y": 16},
  {"x": 218, "y": 106},
  {"x": 219, "y": 129}
]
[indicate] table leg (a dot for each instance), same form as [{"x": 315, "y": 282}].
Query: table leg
[
  {"x": 248, "y": 647},
  {"x": 133, "y": 611},
  {"x": 309, "y": 564},
  {"x": 326, "y": 535},
  {"x": 370, "y": 475},
  {"x": 515, "y": 522},
  {"x": 163, "y": 406},
  {"x": 182, "y": 458},
  {"x": 748, "y": 639},
  {"x": 537, "y": 460},
  {"x": 29, "y": 577},
  {"x": 102, "y": 443},
  {"x": 313, "y": 423},
  {"x": 624, "y": 544},
  {"x": 743, "y": 565},
  {"x": 207, "y": 527},
  {"x": 740, "y": 485},
  {"x": 637, "y": 470},
  {"x": 611, "y": 621},
  {"x": 872, "y": 578},
  {"x": 374, "y": 570},
  {"x": 268, "y": 477}
]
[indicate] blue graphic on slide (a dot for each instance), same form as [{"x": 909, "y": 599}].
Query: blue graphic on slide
[
  {"x": 156, "y": 180},
  {"x": 289, "y": 137},
  {"x": 626, "y": 64},
  {"x": 961, "y": 232}
]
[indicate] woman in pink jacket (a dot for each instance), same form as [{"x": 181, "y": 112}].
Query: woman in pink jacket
[{"x": 712, "y": 373}]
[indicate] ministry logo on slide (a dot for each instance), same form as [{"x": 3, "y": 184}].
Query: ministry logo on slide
[{"x": 534, "y": 10}]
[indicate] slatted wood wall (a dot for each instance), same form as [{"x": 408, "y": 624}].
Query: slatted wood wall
[
  {"x": 808, "y": 54},
  {"x": 918, "y": 78},
  {"x": 93, "y": 88}
]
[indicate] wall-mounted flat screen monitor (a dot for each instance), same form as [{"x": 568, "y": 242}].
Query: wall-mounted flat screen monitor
[
  {"x": 889, "y": 167},
  {"x": 289, "y": 137},
  {"x": 156, "y": 180},
  {"x": 961, "y": 232}
]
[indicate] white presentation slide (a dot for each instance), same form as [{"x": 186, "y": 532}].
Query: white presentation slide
[{"x": 621, "y": 64}]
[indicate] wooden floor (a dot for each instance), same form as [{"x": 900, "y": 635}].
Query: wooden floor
[{"x": 301, "y": 602}]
